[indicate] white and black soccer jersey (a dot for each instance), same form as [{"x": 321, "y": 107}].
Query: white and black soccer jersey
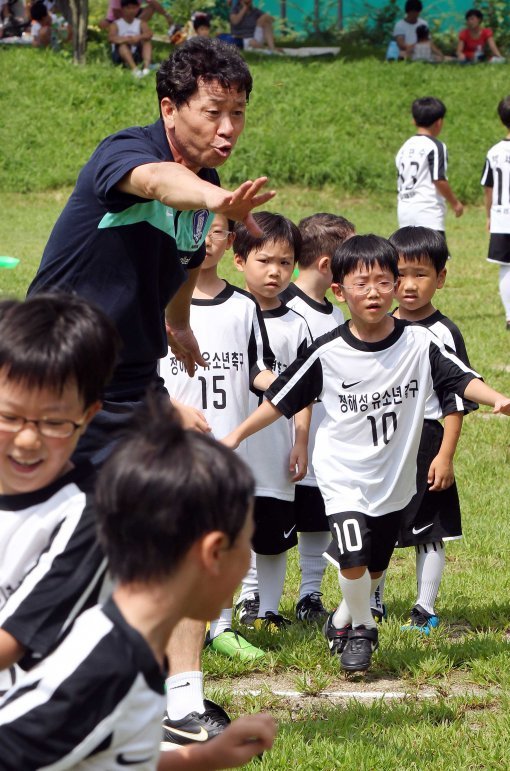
[
  {"x": 51, "y": 565},
  {"x": 95, "y": 703},
  {"x": 451, "y": 336},
  {"x": 321, "y": 318},
  {"x": 421, "y": 161},
  {"x": 374, "y": 395},
  {"x": 496, "y": 174},
  {"x": 232, "y": 338},
  {"x": 268, "y": 451}
]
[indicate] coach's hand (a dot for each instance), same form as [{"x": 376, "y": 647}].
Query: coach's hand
[
  {"x": 238, "y": 205},
  {"x": 184, "y": 347}
]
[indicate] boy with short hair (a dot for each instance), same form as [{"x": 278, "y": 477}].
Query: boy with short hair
[
  {"x": 230, "y": 331},
  {"x": 423, "y": 188},
  {"x": 374, "y": 375},
  {"x": 96, "y": 701},
  {"x": 496, "y": 182},
  {"x": 56, "y": 355},
  {"x": 321, "y": 234},
  {"x": 278, "y": 455},
  {"x": 433, "y": 515},
  {"x": 130, "y": 38}
]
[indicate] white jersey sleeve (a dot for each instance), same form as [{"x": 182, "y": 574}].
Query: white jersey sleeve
[{"x": 496, "y": 174}]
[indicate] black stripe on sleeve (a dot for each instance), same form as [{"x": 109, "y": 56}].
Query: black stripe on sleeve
[
  {"x": 300, "y": 384},
  {"x": 437, "y": 160},
  {"x": 487, "y": 179},
  {"x": 448, "y": 374}
]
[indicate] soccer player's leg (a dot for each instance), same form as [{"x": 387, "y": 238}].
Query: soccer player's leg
[{"x": 314, "y": 537}]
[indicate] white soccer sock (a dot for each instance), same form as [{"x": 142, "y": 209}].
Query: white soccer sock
[
  {"x": 222, "y": 623},
  {"x": 430, "y": 561},
  {"x": 271, "y": 570},
  {"x": 342, "y": 616},
  {"x": 356, "y": 592},
  {"x": 250, "y": 585},
  {"x": 184, "y": 694},
  {"x": 377, "y": 596},
  {"x": 504, "y": 288},
  {"x": 311, "y": 547}
]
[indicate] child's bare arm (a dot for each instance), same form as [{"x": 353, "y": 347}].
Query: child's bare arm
[
  {"x": 444, "y": 188},
  {"x": 478, "y": 391},
  {"x": 441, "y": 475},
  {"x": 246, "y": 737},
  {"x": 298, "y": 461},
  {"x": 487, "y": 192},
  {"x": 146, "y": 32},
  {"x": 11, "y": 651},
  {"x": 263, "y": 416},
  {"x": 264, "y": 379}
]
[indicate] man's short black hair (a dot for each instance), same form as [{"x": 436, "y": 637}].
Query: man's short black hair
[
  {"x": 275, "y": 228},
  {"x": 419, "y": 244},
  {"x": 474, "y": 12},
  {"x": 53, "y": 339},
  {"x": 164, "y": 488},
  {"x": 366, "y": 251},
  {"x": 504, "y": 111},
  {"x": 321, "y": 234},
  {"x": 202, "y": 59},
  {"x": 38, "y": 11},
  {"x": 413, "y": 5},
  {"x": 200, "y": 19},
  {"x": 427, "y": 110}
]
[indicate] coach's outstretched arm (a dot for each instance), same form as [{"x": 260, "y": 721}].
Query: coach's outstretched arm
[
  {"x": 478, "y": 391},
  {"x": 263, "y": 416},
  {"x": 177, "y": 186}
]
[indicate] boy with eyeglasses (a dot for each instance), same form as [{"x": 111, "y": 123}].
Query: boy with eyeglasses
[
  {"x": 56, "y": 355},
  {"x": 231, "y": 334},
  {"x": 373, "y": 375}
]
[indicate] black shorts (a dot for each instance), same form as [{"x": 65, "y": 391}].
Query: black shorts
[
  {"x": 430, "y": 516},
  {"x": 499, "y": 248},
  {"x": 275, "y": 526},
  {"x": 116, "y": 58},
  {"x": 362, "y": 540},
  {"x": 310, "y": 512}
]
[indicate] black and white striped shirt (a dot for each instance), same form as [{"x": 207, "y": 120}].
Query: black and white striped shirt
[
  {"x": 95, "y": 703},
  {"x": 496, "y": 174},
  {"x": 421, "y": 161}
]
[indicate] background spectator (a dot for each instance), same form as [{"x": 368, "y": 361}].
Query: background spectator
[
  {"x": 404, "y": 31},
  {"x": 252, "y": 26},
  {"x": 146, "y": 12},
  {"x": 425, "y": 50},
  {"x": 474, "y": 39},
  {"x": 130, "y": 37}
]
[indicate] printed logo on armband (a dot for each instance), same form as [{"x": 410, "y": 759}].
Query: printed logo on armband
[{"x": 199, "y": 222}]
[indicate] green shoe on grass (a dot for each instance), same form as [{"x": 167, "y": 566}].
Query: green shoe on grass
[{"x": 233, "y": 644}]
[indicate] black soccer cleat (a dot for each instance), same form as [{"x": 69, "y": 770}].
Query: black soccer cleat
[
  {"x": 337, "y": 638},
  {"x": 379, "y": 614},
  {"x": 357, "y": 654},
  {"x": 195, "y": 727},
  {"x": 248, "y": 610},
  {"x": 310, "y": 609}
]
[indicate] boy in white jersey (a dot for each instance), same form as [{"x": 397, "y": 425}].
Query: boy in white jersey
[
  {"x": 373, "y": 375},
  {"x": 57, "y": 354},
  {"x": 496, "y": 182},
  {"x": 423, "y": 188},
  {"x": 228, "y": 325},
  {"x": 277, "y": 456},
  {"x": 433, "y": 515},
  {"x": 321, "y": 234},
  {"x": 130, "y": 38},
  {"x": 96, "y": 701}
]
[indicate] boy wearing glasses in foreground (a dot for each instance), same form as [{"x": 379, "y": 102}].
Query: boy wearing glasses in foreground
[
  {"x": 373, "y": 375},
  {"x": 56, "y": 355}
]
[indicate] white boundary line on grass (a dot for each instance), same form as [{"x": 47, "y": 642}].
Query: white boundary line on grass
[{"x": 336, "y": 694}]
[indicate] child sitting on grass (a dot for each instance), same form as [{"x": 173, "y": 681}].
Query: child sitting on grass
[{"x": 97, "y": 700}]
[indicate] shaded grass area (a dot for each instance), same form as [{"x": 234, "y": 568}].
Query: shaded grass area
[{"x": 311, "y": 122}]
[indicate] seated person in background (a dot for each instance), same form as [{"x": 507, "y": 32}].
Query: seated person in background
[
  {"x": 146, "y": 12},
  {"x": 473, "y": 40},
  {"x": 200, "y": 24},
  {"x": 130, "y": 37},
  {"x": 251, "y": 25},
  {"x": 425, "y": 50},
  {"x": 47, "y": 28},
  {"x": 404, "y": 31},
  {"x": 14, "y": 18}
]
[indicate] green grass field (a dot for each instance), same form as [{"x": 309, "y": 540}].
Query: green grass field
[{"x": 327, "y": 133}]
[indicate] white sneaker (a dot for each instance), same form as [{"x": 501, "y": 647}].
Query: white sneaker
[
  {"x": 137, "y": 74},
  {"x": 146, "y": 71}
]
